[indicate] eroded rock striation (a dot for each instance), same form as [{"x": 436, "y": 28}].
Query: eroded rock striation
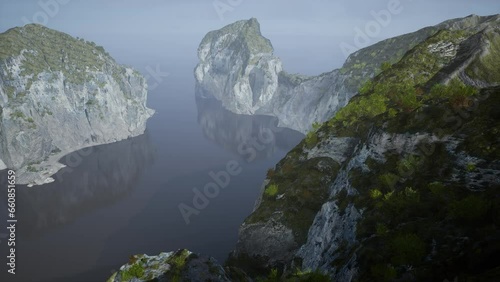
[{"x": 59, "y": 94}]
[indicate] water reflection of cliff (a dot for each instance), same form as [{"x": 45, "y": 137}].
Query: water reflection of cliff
[
  {"x": 94, "y": 177},
  {"x": 238, "y": 133}
]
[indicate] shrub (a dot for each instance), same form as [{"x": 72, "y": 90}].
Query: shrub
[
  {"x": 364, "y": 107},
  {"x": 91, "y": 102},
  {"x": 406, "y": 97},
  {"x": 389, "y": 180},
  {"x": 375, "y": 194},
  {"x": 471, "y": 167},
  {"x": 456, "y": 92},
  {"x": 470, "y": 209},
  {"x": 11, "y": 91},
  {"x": 307, "y": 276},
  {"x": 316, "y": 125},
  {"x": 392, "y": 113},
  {"x": 273, "y": 276},
  {"x": 385, "y": 66},
  {"x": 408, "y": 165},
  {"x": 314, "y": 276},
  {"x": 438, "y": 190},
  {"x": 311, "y": 139},
  {"x": 135, "y": 271},
  {"x": 270, "y": 173},
  {"x": 407, "y": 249},
  {"x": 17, "y": 114},
  {"x": 388, "y": 196},
  {"x": 31, "y": 168},
  {"x": 271, "y": 190},
  {"x": 366, "y": 88},
  {"x": 401, "y": 203},
  {"x": 383, "y": 272},
  {"x": 179, "y": 259},
  {"x": 381, "y": 229}
]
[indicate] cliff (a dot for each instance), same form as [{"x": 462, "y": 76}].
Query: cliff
[
  {"x": 59, "y": 94},
  {"x": 401, "y": 184},
  {"x": 237, "y": 66}
]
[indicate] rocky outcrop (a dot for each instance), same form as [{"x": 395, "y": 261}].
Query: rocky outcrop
[
  {"x": 395, "y": 186},
  {"x": 59, "y": 94},
  {"x": 182, "y": 265},
  {"x": 237, "y": 66}
]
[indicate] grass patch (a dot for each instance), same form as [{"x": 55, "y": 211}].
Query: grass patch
[
  {"x": 50, "y": 52},
  {"x": 134, "y": 271}
]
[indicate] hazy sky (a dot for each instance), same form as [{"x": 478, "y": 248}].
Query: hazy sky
[{"x": 315, "y": 27}]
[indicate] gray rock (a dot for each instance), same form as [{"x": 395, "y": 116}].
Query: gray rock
[
  {"x": 182, "y": 265},
  {"x": 237, "y": 66},
  {"x": 59, "y": 94},
  {"x": 331, "y": 245},
  {"x": 270, "y": 241}
]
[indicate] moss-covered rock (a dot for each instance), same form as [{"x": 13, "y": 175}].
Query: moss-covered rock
[{"x": 178, "y": 266}]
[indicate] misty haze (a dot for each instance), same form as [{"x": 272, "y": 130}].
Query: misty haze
[{"x": 246, "y": 140}]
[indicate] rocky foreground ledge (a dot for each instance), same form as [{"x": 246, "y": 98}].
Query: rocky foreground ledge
[
  {"x": 59, "y": 94},
  {"x": 182, "y": 265}
]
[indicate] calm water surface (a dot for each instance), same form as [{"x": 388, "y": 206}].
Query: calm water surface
[{"x": 120, "y": 199}]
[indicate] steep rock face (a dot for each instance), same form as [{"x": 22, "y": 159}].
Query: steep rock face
[
  {"x": 59, "y": 94},
  {"x": 237, "y": 66},
  {"x": 403, "y": 182}
]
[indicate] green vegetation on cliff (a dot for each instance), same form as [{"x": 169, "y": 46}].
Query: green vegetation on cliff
[
  {"x": 417, "y": 223},
  {"x": 251, "y": 37},
  {"x": 298, "y": 276},
  {"x": 373, "y": 58},
  {"x": 36, "y": 44},
  {"x": 402, "y": 87},
  {"x": 486, "y": 68},
  {"x": 302, "y": 193},
  {"x": 45, "y": 51},
  {"x": 429, "y": 214}
]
